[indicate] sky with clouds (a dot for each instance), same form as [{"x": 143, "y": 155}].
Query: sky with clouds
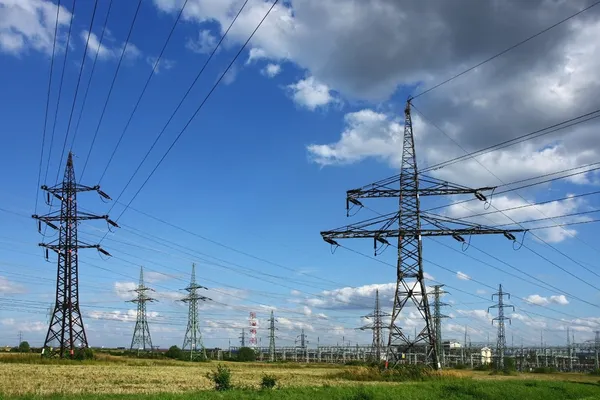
[{"x": 312, "y": 107}]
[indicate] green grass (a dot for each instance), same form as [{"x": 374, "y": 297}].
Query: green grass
[{"x": 447, "y": 390}]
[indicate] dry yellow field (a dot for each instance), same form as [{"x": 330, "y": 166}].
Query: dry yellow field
[{"x": 19, "y": 379}]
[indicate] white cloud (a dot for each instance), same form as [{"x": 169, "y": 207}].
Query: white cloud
[
  {"x": 481, "y": 291},
  {"x": 29, "y": 25},
  {"x": 125, "y": 290},
  {"x": 7, "y": 321},
  {"x": 427, "y": 275},
  {"x": 463, "y": 276},
  {"x": 367, "y": 134},
  {"x": 307, "y": 311},
  {"x": 8, "y": 287},
  {"x": 163, "y": 64},
  {"x": 311, "y": 94},
  {"x": 230, "y": 75},
  {"x": 271, "y": 70},
  {"x": 544, "y": 301},
  {"x": 109, "y": 51},
  {"x": 204, "y": 44}
]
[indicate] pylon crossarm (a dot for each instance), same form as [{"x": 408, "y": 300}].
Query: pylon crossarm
[{"x": 350, "y": 233}]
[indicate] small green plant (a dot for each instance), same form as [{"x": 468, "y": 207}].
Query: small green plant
[
  {"x": 221, "y": 378},
  {"x": 361, "y": 394},
  {"x": 268, "y": 382},
  {"x": 460, "y": 366},
  {"x": 544, "y": 370},
  {"x": 83, "y": 354}
]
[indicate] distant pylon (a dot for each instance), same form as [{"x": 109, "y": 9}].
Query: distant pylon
[
  {"x": 501, "y": 340},
  {"x": 192, "y": 341},
  {"x": 377, "y": 327},
  {"x": 243, "y": 338},
  {"x": 303, "y": 343},
  {"x": 66, "y": 331},
  {"x": 570, "y": 350},
  {"x": 272, "y": 330},
  {"x": 597, "y": 350},
  {"x": 437, "y": 321},
  {"x": 141, "y": 332}
]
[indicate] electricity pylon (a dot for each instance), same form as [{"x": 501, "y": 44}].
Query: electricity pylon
[
  {"x": 66, "y": 330},
  {"x": 437, "y": 320},
  {"x": 303, "y": 343},
  {"x": 501, "y": 340},
  {"x": 192, "y": 340},
  {"x": 243, "y": 338},
  {"x": 410, "y": 282},
  {"x": 272, "y": 330},
  {"x": 141, "y": 332},
  {"x": 377, "y": 327}
]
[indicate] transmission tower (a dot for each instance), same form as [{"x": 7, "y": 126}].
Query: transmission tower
[
  {"x": 596, "y": 351},
  {"x": 410, "y": 283},
  {"x": 193, "y": 337},
  {"x": 243, "y": 338},
  {"x": 570, "y": 350},
  {"x": 377, "y": 327},
  {"x": 437, "y": 320},
  {"x": 141, "y": 332},
  {"x": 66, "y": 331},
  {"x": 303, "y": 343},
  {"x": 272, "y": 330},
  {"x": 501, "y": 340}
]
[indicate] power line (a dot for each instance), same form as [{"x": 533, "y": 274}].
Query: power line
[
  {"x": 47, "y": 107},
  {"x": 112, "y": 85},
  {"x": 83, "y": 59},
  {"x": 87, "y": 89},
  {"x": 181, "y": 102},
  {"x": 152, "y": 73},
  {"x": 62, "y": 76},
  {"x": 507, "y": 50}
]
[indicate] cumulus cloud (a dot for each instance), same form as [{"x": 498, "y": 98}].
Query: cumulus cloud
[
  {"x": 311, "y": 94},
  {"x": 481, "y": 291},
  {"x": 29, "y": 25},
  {"x": 544, "y": 301},
  {"x": 271, "y": 70},
  {"x": 125, "y": 290},
  {"x": 203, "y": 44},
  {"x": 108, "y": 49},
  {"x": 163, "y": 64}
]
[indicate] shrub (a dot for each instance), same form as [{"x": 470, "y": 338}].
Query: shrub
[
  {"x": 246, "y": 354},
  {"x": 221, "y": 378},
  {"x": 460, "y": 366},
  {"x": 24, "y": 347},
  {"x": 268, "y": 382},
  {"x": 174, "y": 352},
  {"x": 361, "y": 394},
  {"x": 400, "y": 373},
  {"x": 83, "y": 354}
]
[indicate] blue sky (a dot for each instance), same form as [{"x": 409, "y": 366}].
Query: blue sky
[{"x": 264, "y": 166}]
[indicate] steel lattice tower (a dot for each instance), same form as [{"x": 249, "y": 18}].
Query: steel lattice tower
[
  {"x": 193, "y": 337},
  {"x": 437, "y": 320},
  {"x": 410, "y": 282},
  {"x": 501, "y": 340},
  {"x": 377, "y": 326},
  {"x": 141, "y": 332},
  {"x": 272, "y": 330},
  {"x": 66, "y": 331},
  {"x": 597, "y": 351}
]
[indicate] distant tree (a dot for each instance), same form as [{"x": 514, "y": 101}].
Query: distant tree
[
  {"x": 24, "y": 347},
  {"x": 246, "y": 354},
  {"x": 174, "y": 352}
]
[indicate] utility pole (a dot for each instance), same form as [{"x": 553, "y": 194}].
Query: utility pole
[
  {"x": 243, "y": 338},
  {"x": 141, "y": 332},
  {"x": 66, "y": 329},
  {"x": 462, "y": 352},
  {"x": 410, "y": 282},
  {"x": 377, "y": 327},
  {"x": 569, "y": 349},
  {"x": 437, "y": 321},
  {"x": 501, "y": 340},
  {"x": 193, "y": 336},
  {"x": 272, "y": 330},
  {"x": 20, "y": 338}
]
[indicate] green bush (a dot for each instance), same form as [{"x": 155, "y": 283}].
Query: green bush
[
  {"x": 460, "y": 366},
  {"x": 174, "y": 352},
  {"x": 24, "y": 347},
  {"x": 83, "y": 354},
  {"x": 268, "y": 382},
  {"x": 246, "y": 354},
  {"x": 400, "y": 373},
  {"x": 221, "y": 378}
]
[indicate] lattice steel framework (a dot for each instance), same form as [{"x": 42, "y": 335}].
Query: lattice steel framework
[
  {"x": 377, "y": 327},
  {"x": 192, "y": 340},
  {"x": 412, "y": 225},
  {"x": 501, "y": 339},
  {"x": 66, "y": 332},
  {"x": 437, "y": 320},
  {"x": 272, "y": 330},
  {"x": 141, "y": 333}
]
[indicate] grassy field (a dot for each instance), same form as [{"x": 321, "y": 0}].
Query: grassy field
[{"x": 123, "y": 378}]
